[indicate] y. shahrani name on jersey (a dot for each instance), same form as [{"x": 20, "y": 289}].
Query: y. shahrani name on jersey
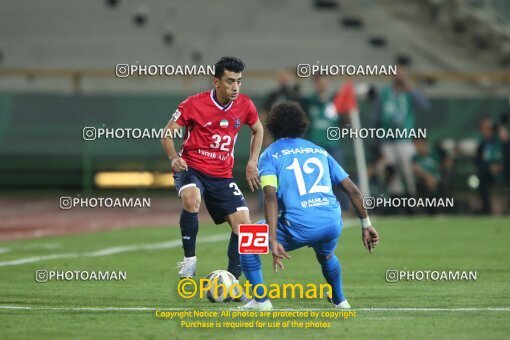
[{"x": 294, "y": 151}]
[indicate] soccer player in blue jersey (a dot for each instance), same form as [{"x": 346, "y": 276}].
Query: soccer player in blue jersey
[{"x": 300, "y": 208}]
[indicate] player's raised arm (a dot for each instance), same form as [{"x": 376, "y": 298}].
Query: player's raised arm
[
  {"x": 252, "y": 175},
  {"x": 176, "y": 161},
  {"x": 369, "y": 235}
]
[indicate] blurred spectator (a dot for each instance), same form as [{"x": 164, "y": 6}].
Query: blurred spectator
[
  {"x": 426, "y": 169},
  {"x": 504, "y": 137},
  {"x": 382, "y": 179},
  {"x": 384, "y": 182},
  {"x": 287, "y": 90},
  {"x": 446, "y": 161},
  {"x": 322, "y": 114},
  {"x": 395, "y": 109},
  {"x": 488, "y": 161}
]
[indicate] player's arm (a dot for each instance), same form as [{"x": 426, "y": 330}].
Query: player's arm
[
  {"x": 271, "y": 211},
  {"x": 176, "y": 161},
  {"x": 271, "y": 215},
  {"x": 252, "y": 175},
  {"x": 369, "y": 235}
]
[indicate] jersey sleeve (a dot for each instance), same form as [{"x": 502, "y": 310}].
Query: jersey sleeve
[
  {"x": 252, "y": 116},
  {"x": 182, "y": 115},
  {"x": 336, "y": 172}
]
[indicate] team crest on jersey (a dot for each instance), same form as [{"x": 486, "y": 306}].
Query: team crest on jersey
[
  {"x": 237, "y": 123},
  {"x": 224, "y": 123}
]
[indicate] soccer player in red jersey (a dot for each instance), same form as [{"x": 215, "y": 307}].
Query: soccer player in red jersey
[{"x": 203, "y": 166}]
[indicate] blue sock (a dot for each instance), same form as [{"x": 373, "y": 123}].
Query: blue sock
[
  {"x": 252, "y": 268},
  {"x": 333, "y": 273},
  {"x": 189, "y": 230},
  {"x": 234, "y": 264}
]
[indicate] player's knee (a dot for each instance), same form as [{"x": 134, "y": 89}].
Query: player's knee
[
  {"x": 235, "y": 228},
  {"x": 191, "y": 202},
  {"x": 323, "y": 257},
  {"x": 235, "y": 225}
]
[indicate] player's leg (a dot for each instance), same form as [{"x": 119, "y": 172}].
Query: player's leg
[
  {"x": 332, "y": 272},
  {"x": 189, "y": 190},
  {"x": 252, "y": 269},
  {"x": 331, "y": 268},
  {"x": 189, "y": 219},
  {"x": 236, "y": 219},
  {"x": 226, "y": 203}
]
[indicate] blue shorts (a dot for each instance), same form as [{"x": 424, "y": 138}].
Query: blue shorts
[
  {"x": 323, "y": 240},
  {"x": 221, "y": 195}
]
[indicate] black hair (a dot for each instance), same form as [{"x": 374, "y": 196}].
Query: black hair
[
  {"x": 287, "y": 119},
  {"x": 231, "y": 64}
]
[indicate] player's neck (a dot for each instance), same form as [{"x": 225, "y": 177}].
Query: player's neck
[{"x": 219, "y": 99}]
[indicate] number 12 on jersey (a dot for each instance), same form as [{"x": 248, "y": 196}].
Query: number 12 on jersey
[{"x": 298, "y": 174}]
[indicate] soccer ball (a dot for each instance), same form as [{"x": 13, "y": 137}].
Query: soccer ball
[{"x": 221, "y": 282}]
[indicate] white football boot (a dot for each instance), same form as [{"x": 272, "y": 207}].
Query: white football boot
[
  {"x": 188, "y": 267},
  {"x": 254, "y": 304},
  {"x": 343, "y": 305}
]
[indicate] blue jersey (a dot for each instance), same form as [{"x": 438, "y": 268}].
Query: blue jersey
[{"x": 305, "y": 174}]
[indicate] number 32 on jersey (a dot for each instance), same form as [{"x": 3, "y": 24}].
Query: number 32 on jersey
[{"x": 222, "y": 143}]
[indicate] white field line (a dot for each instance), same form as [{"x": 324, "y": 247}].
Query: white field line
[
  {"x": 114, "y": 250},
  {"x": 138, "y": 309},
  {"x": 124, "y": 249},
  {"x": 207, "y": 239}
]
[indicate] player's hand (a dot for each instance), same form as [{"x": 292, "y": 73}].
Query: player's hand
[
  {"x": 179, "y": 164},
  {"x": 252, "y": 175},
  {"x": 278, "y": 255},
  {"x": 370, "y": 238}
]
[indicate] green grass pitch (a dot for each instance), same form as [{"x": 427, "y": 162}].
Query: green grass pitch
[{"x": 406, "y": 244}]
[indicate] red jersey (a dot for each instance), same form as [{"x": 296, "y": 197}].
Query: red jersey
[{"x": 211, "y": 131}]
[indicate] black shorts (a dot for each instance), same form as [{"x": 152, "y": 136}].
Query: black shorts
[{"x": 222, "y": 196}]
